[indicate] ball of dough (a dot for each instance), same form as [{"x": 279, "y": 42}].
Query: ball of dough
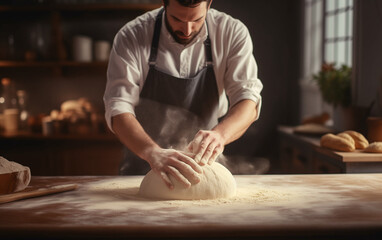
[{"x": 215, "y": 182}]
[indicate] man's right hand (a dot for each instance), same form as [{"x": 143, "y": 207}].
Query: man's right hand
[
  {"x": 180, "y": 165},
  {"x": 165, "y": 162}
]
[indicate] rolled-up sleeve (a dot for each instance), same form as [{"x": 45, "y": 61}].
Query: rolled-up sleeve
[
  {"x": 123, "y": 77},
  {"x": 240, "y": 78}
]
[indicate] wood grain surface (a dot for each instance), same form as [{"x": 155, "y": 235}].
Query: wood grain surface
[
  {"x": 31, "y": 192},
  {"x": 338, "y": 206}
]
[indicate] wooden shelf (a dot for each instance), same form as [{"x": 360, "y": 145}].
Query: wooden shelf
[
  {"x": 82, "y": 7},
  {"x": 56, "y": 12}
]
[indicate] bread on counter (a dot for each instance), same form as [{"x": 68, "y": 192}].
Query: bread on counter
[{"x": 375, "y": 147}]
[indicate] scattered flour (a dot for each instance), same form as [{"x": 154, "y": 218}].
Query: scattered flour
[
  {"x": 127, "y": 190},
  {"x": 260, "y": 201},
  {"x": 243, "y": 196}
]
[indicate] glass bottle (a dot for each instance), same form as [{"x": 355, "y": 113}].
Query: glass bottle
[
  {"x": 2, "y": 107},
  {"x": 9, "y": 108},
  {"x": 8, "y": 96},
  {"x": 23, "y": 110},
  {"x": 11, "y": 52}
]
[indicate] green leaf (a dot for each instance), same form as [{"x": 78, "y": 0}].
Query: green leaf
[{"x": 335, "y": 84}]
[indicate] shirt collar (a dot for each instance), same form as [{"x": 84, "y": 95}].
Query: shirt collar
[{"x": 202, "y": 36}]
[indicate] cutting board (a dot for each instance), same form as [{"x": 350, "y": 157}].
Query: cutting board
[{"x": 31, "y": 191}]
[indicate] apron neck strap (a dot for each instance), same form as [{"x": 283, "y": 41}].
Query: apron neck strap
[
  {"x": 155, "y": 42},
  {"x": 207, "y": 47}
]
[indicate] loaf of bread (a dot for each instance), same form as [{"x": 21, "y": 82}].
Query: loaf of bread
[
  {"x": 337, "y": 143},
  {"x": 359, "y": 140},
  {"x": 375, "y": 147},
  {"x": 347, "y": 137}
]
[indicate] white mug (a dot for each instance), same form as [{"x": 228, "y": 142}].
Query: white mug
[
  {"x": 11, "y": 120},
  {"x": 82, "y": 48},
  {"x": 101, "y": 51},
  {"x": 47, "y": 126}
]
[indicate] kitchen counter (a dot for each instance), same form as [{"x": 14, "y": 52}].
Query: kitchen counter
[
  {"x": 301, "y": 153},
  {"x": 339, "y": 206}
]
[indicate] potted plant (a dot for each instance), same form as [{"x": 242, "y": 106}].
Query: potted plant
[{"x": 335, "y": 86}]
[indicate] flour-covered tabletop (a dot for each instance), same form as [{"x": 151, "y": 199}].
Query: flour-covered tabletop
[{"x": 267, "y": 206}]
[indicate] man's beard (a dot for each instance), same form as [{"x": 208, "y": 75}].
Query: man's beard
[{"x": 178, "y": 34}]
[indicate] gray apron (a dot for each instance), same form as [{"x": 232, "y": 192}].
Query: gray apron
[{"x": 172, "y": 110}]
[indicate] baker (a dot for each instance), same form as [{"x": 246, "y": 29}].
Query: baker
[{"x": 169, "y": 75}]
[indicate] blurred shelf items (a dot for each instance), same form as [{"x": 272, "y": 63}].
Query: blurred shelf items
[
  {"x": 53, "y": 61},
  {"x": 54, "y": 38}
]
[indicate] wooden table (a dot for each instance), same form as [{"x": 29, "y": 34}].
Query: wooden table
[
  {"x": 339, "y": 206},
  {"x": 303, "y": 154}
]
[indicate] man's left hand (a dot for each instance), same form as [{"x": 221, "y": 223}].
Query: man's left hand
[{"x": 207, "y": 146}]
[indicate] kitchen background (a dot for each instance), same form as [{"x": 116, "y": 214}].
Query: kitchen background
[{"x": 36, "y": 54}]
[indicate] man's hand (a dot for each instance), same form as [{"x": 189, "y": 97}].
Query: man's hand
[
  {"x": 180, "y": 165},
  {"x": 207, "y": 146},
  {"x": 164, "y": 162}
]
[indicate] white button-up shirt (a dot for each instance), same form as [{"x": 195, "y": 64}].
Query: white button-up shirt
[{"x": 234, "y": 64}]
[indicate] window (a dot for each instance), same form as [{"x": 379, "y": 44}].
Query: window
[
  {"x": 327, "y": 37},
  {"x": 328, "y": 34},
  {"x": 313, "y": 32},
  {"x": 338, "y": 34}
]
